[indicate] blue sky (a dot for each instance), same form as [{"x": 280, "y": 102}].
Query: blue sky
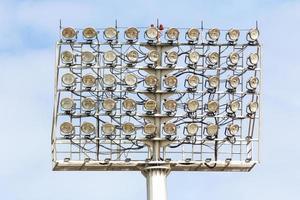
[{"x": 28, "y": 33}]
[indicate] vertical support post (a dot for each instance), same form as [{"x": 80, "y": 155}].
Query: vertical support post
[{"x": 156, "y": 178}]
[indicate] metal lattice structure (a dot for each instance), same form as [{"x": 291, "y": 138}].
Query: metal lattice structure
[{"x": 202, "y": 101}]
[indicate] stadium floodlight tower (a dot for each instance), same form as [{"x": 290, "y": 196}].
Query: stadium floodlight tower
[{"x": 155, "y": 100}]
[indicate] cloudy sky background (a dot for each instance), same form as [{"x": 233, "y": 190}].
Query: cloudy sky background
[{"x": 29, "y": 30}]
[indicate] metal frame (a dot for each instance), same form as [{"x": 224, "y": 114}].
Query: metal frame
[{"x": 156, "y": 159}]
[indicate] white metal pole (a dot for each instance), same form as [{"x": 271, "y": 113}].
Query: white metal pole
[{"x": 156, "y": 178}]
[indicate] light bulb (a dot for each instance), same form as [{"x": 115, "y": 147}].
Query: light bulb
[
  {"x": 132, "y": 33},
  {"x": 170, "y": 128},
  {"x": 234, "y": 105},
  {"x": 110, "y": 56},
  {"x": 233, "y": 35},
  {"x": 130, "y": 79},
  {"x": 253, "y": 82},
  {"x": 193, "y": 34},
  {"x": 153, "y": 56},
  {"x": 253, "y": 106},
  {"x": 109, "y": 80},
  {"x": 87, "y": 57},
  {"x": 67, "y": 57},
  {"x": 213, "y": 81},
  {"x": 213, "y": 58},
  {"x": 172, "y": 56},
  {"x": 253, "y": 58},
  {"x": 129, "y": 104},
  {"x": 234, "y": 58},
  {"x": 128, "y": 128},
  {"x": 68, "y": 79},
  {"x": 150, "y": 129},
  {"x": 132, "y": 56},
  {"x": 194, "y": 56},
  {"x": 67, "y": 104},
  {"x": 253, "y": 34},
  {"x": 170, "y": 105},
  {"x": 66, "y": 128},
  {"x": 212, "y": 129},
  {"x": 170, "y": 81},
  {"x": 152, "y": 33},
  {"x": 151, "y": 80},
  {"x": 87, "y": 128},
  {"x": 88, "y": 104},
  {"x": 172, "y": 34},
  {"x": 88, "y": 80},
  {"x": 213, "y": 106},
  {"x": 192, "y": 128},
  {"x": 233, "y": 129},
  {"x": 234, "y": 81},
  {"x": 68, "y": 33},
  {"x": 213, "y": 34},
  {"x": 108, "y": 128},
  {"x": 110, "y": 33},
  {"x": 150, "y": 105},
  {"x": 193, "y": 80},
  {"x": 89, "y": 33},
  {"x": 192, "y": 105},
  {"x": 109, "y": 104}
]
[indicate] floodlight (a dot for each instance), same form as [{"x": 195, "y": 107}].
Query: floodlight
[
  {"x": 150, "y": 105},
  {"x": 212, "y": 130},
  {"x": 172, "y": 57},
  {"x": 131, "y": 34},
  {"x": 108, "y": 129},
  {"x": 170, "y": 82},
  {"x": 67, "y": 129},
  {"x": 213, "y": 81},
  {"x": 233, "y": 58},
  {"x": 130, "y": 80},
  {"x": 151, "y": 34},
  {"x": 67, "y": 57},
  {"x": 109, "y": 80},
  {"x": 193, "y": 81},
  {"x": 213, "y": 35},
  {"x": 234, "y": 106},
  {"x": 108, "y": 104},
  {"x": 233, "y": 81},
  {"x": 253, "y": 83},
  {"x": 110, "y": 56},
  {"x": 88, "y": 104},
  {"x": 153, "y": 56},
  {"x": 233, "y": 129},
  {"x": 89, "y": 33},
  {"x": 69, "y": 34},
  {"x": 128, "y": 128},
  {"x": 87, "y": 128},
  {"x": 129, "y": 104},
  {"x": 150, "y": 129},
  {"x": 194, "y": 57},
  {"x": 252, "y": 107},
  {"x": 170, "y": 105},
  {"x": 68, "y": 80},
  {"x": 172, "y": 34},
  {"x": 212, "y": 58},
  {"x": 170, "y": 128},
  {"x": 253, "y": 35},
  {"x": 67, "y": 104},
  {"x": 192, "y": 35},
  {"x": 87, "y": 57},
  {"x": 192, "y": 105},
  {"x": 253, "y": 59},
  {"x": 88, "y": 80},
  {"x": 192, "y": 129},
  {"x": 132, "y": 56},
  {"x": 212, "y": 106},
  {"x": 233, "y": 35},
  {"x": 151, "y": 81},
  {"x": 110, "y": 33}
]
